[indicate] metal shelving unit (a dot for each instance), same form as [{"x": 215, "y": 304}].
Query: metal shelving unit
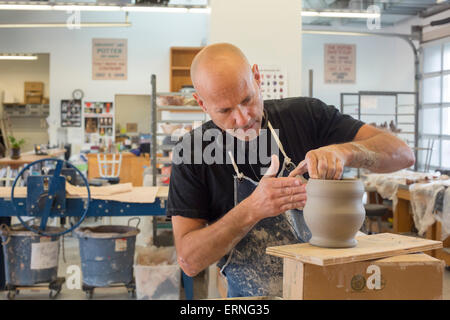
[
  {"x": 156, "y": 120},
  {"x": 156, "y": 146},
  {"x": 401, "y": 112}
]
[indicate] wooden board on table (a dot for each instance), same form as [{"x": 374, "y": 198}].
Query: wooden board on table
[
  {"x": 369, "y": 247},
  {"x": 121, "y": 193}
]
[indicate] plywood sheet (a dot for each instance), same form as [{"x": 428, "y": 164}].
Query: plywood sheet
[
  {"x": 369, "y": 247},
  {"x": 136, "y": 195},
  {"x": 122, "y": 194},
  {"x": 99, "y": 191}
]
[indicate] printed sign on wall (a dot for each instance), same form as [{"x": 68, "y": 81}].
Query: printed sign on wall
[
  {"x": 340, "y": 63},
  {"x": 273, "y": 83},
  {"x": 109, "y": 59}
]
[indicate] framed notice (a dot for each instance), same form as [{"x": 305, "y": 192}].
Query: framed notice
[
  {"x": 70, "y": 113},
  {"x": 109, "y": 59},
  {"x": 340, "y": 63},
  {"x": 273, "y": 83}
]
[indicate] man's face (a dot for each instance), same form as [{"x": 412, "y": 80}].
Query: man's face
[{"x": 236, "y": 107}]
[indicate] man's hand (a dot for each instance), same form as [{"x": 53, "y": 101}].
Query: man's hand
[
  {"x": 323, "y": 163},
  {"x": 372, "y": 149},
  {"x": 275, "y": 195}
]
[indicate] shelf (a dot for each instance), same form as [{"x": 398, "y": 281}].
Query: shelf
[
  {"x": 181, "y": 68},
  {"x": 160, "y": 94},
  {"x": 163, "y": 160},
  {"x": 177, "y": 121},
  {"x": 179, "y": 108},
  {"x": 27, "y": 117},
  {"x": 180, "y": 65},
  {"x": 166, "y": 147},
  {"x": 382, "y": 114}
]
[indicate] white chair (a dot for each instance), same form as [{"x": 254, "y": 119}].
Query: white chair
[{"x": 109, "y": 169}]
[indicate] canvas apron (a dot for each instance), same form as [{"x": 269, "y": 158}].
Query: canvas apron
[{"x": 248, "y": 269}]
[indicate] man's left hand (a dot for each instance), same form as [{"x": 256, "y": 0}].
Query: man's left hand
[{"x": 323, "y": 163}]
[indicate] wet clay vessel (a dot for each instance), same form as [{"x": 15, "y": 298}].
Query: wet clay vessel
[{"x": 334, "y": 212}]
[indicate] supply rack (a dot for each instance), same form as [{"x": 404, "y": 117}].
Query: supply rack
[
  {"x": 156, "y": 145},
  {"x": 402, "y": 112}
]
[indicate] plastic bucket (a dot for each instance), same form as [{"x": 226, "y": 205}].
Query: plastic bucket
[
  {"x": 29, "y": 258},
  {"x": 107, "y": 254}
]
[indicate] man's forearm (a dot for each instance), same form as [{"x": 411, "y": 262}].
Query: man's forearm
[
  {"x": 202, "y": 247},
  {"x": 381, "y": 153}
]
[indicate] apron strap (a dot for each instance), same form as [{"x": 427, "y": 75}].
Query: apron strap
[
  {"x": 287, "y": 160},
  {"x": 240, "y": 175}
]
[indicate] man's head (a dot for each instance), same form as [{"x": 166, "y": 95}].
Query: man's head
[{"x": 228, "y": 89}]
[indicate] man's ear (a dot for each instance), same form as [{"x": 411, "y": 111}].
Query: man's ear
[
  {"x": 199, "y": 101},
  {"x": 256, "y": 74}
]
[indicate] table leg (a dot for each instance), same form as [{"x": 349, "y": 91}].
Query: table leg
[
  {"x": 440, "y": 253},
  {"x": 403, "y": 221},
  {"x": 188, "y": 283},
  {"x": 431, "y": 234}
]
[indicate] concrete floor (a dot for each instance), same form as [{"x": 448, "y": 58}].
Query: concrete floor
[{"x": 72, "y": 257}]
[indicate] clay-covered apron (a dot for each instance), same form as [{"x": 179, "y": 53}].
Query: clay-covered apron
[{"x": 248, "y": 269}]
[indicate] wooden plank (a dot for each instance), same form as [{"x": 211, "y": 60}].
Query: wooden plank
[
  {"x": 293, "y": 274},
  {"x": 403, "y": 194},
  {"x": 369, "y": 247},
  {"x": 28, "y": 157},
  {"x": 129, "y": 194}
]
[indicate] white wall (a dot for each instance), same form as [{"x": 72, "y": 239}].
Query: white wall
[
  {"x": 149, "y": 42},
  {"x": 267, "y": 31},
  {"x": 382, "y": 64},
  {"x": 13, "y": 75}
]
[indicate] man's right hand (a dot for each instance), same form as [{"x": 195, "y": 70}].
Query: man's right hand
[{"x": 275, "y": 195}]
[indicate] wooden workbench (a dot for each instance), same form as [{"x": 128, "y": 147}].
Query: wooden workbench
[
  {"x": 403, "y": 222},
  {"x": 29, "y": 157}
]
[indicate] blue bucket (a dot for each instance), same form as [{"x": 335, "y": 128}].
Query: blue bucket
[
  {"x": 30, "y": 258},
  {"x": 107, "y": 254}
]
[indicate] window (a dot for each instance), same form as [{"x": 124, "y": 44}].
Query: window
[{"x": 434, "y": 110}]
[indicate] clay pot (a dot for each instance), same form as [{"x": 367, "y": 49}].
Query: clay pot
[{"x": 334, "y": 212}]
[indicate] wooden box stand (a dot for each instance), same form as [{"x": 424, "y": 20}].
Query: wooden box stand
[{"x": 381, "y": 266}]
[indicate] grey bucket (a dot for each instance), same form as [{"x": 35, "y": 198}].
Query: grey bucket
[
  {"x": 107, "y": 254},
  {"x": 30, "y": 258}
]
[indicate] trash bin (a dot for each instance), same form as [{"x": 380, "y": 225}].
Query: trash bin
[{"x": 157, "y": 274}]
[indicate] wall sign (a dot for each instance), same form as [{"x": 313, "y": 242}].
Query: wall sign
[
  {"x": 340, "y": 63},
  {"x": 109, "y": 59}
]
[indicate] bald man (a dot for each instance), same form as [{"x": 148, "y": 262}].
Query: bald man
[{"x": 232, "y": 211}]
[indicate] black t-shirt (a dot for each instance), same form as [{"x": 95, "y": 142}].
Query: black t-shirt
[{"x": 201, "y": 190}]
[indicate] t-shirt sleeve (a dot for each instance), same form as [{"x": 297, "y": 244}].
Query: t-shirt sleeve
[
  {"x": 331, "y": 125},
  {"x": 188, "y": 195}
]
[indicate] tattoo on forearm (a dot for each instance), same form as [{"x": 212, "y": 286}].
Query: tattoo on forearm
[{"x": 363, "y": 157}]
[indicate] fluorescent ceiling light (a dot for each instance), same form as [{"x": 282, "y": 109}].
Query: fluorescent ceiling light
[
  {"x": 85, "y": 8},
  {"x": 24, "y": 7},
  {"x": 155, "y": 9},
  {"x": 65, "y": 25},
  {"x": 341, "y": 14},
  {"x": 200, "y": 10},
  {"x": 17, "y": 57}
]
